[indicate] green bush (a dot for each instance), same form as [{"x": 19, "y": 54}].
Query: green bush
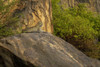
[
  {"x": 77, "y": 25},
  {"x": 73, "y": 21}
]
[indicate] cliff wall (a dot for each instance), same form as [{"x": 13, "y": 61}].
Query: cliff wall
[
  {"x": 93, "y": 5},
  {"x": 30, "y": 12}
]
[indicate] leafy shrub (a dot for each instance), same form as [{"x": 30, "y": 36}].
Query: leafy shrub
[
  {"x": 73, "y": 21},
  {"x": 76, "y": 25}
]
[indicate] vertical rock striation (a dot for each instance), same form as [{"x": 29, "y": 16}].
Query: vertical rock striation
[
  {"x": 30, "y": 12},
  {"x": 98, "y": 5},
  {"x": 93, "y": 5},
  {"x": 38, "y": 10}
]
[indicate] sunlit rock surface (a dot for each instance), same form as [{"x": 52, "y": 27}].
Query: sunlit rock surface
[
  {"x": 30, "y": 12},
  {"x": 41, "y": 50}
]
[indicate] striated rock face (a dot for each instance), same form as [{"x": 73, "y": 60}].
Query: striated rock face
[
  {"x": 98, "y": 5},
  {"x": 30, "y": 12},
  {"x": 93, "y": 5},
  {"x": 41, "y": 50}
]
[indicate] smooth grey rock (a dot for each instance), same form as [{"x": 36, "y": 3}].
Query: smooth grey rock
[{"x": 42, "y": 50}]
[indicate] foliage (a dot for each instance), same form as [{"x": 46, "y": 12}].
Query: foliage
[
  {"x": 76, "y": 25},
  {"x": 73, "y": 21},
  {"x": 6, "y": 21},
  {"x": 94, "y": 52}
]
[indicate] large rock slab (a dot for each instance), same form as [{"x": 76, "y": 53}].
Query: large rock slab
[{"x": 41, "y": 50}]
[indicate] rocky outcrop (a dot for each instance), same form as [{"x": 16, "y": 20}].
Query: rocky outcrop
[
  {"x": 30, "y": 12},
  {"x": 93, "y": 5},
  {"x": 41, "y": 50},
  {"x": 98, "y": 5}
]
